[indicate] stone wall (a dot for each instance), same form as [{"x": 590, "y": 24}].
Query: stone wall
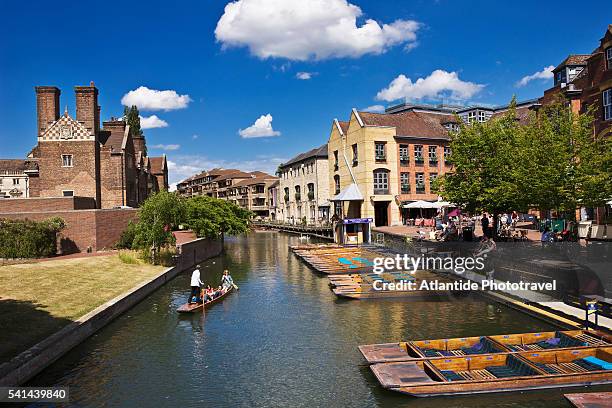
[{"x": 20, "y": 205}]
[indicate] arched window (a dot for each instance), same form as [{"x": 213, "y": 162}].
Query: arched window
[{"x": 381, "y": 181}]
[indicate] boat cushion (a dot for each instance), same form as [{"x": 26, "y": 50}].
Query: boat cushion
[
  {"x": 451, "y": 375},
  {"x": 599, "y": 362}
]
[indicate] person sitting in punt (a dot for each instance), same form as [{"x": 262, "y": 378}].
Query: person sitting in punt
[
  {"x": 219, "y": 291},
  {"x": 227, "y": 280},
  {"x": 208, "y": 294}
]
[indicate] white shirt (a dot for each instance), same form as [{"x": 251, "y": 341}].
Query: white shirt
[{"x": 195, "y": 278}]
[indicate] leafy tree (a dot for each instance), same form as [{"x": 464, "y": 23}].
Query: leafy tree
[
  {"x": 211, "y": 217},
  {"x": 484, "y": 158},
  {"x": 132, "y": 118},
  {"x": 158, "y": 215}
]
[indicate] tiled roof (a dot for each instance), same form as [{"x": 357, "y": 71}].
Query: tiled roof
[
  {"x": 320, "y": 151},
  {"x": 17, "y": 165},
  {"x": 577, "y": 59},
  {"x": 413, "y": 124},
  {"x": 233, "y": 175},
  {"x": 114, "y": 139},
  {"x": 344, "y": 126},
  {"x": 522, "y": 114}
]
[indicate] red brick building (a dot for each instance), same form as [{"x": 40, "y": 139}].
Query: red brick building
[
  {"x": 586, "y": 81},
  {"x": 79, "y": 157}
]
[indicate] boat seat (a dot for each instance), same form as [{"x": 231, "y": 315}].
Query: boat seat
[
  {"x": 513, "y": 368},
  {"x": 567, "y": 341},
  {"x": 450, "y": 375},
  {"x": 593, "y": 364},
  {"x": 590, "y": 340}
]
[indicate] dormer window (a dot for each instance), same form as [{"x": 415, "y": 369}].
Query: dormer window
[
  {"x": 482, "y": 116},
  {"x": 451, "y": 126},
  {"x": 471, "y": 117},
  {"x": 609, "y": 57}
]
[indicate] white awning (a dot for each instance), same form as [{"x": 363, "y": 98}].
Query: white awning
[
  {"x": 421, "y": 204},
  {"x": 609, "y": 202},
  {"x": 350, "y": 193},
  {"x": 443, "y": 204}
]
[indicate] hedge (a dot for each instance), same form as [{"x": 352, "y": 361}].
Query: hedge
[{"x": 29, "y": 239}]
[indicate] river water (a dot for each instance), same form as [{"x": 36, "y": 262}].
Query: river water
[{"x": 283, "y": 340}]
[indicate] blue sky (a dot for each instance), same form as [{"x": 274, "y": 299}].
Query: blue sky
[{"x": 229, "y": 67}]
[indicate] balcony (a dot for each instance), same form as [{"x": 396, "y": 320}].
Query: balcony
[{"x": 381, "y": 191}]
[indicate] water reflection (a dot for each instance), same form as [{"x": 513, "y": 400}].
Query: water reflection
[{"x": 283, "y": 340}]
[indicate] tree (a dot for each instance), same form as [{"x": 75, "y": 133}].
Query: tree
[
  {"x": 132, "y": 118},
  {"x": 211, "y": 217},
  {"x": 483, "y": 159},
  {"x": 157, "y": 217}
]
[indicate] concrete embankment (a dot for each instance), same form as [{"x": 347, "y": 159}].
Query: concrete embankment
[{"x": 32, "y": 361}]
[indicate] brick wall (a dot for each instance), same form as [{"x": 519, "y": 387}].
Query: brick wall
[
  {"x": 80, "y": 178},
  {"x": 98, "y": 229},
  {"x": 19, "y": 205}
]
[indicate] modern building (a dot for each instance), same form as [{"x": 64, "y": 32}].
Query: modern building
[
  {"x": 78, "y": 157},
  {"x": 304, "y": 188},
  {"x": 249, "y": 190}
]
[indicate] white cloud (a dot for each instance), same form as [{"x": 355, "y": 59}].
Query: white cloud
[
  {"x": 168, "y": 147},
  {"x": 194, "y": 137},
  {"x": 183, "y": 166},
  {"x": 152, "y": 99},
  {"x": 152, "y": 122},
  {"x": 261, "y": 128},
  {"x": 305, "y": 75},
  {"x": 439, "y": 84},
  {"x": 303, "y": 30},
  {"x": 545, "y": 74},
  {"x": 374, "y": 108}
]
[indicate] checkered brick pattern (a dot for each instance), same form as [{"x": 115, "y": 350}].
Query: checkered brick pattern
[{"x": 66, "y": 128}]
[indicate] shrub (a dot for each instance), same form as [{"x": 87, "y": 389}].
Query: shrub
[
  {"x": 128, "y": 258},
  {"x": 29, "y": 239},
  {"x": 126, "y": 241}
]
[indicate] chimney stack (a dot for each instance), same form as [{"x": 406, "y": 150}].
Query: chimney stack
[
  {"x": 47, "y": 107},
  {"x": 87, "y": 108}
]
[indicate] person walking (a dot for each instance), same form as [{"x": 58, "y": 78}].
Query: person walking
[
  {"x": 484, "y": 222},
  {"x": 196, "y": 284}
]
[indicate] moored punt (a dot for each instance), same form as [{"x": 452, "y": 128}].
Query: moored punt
[
  {"x": 414, "y": 350},
  {"x": 334, "y": 259},
  {"x": 498, "y": 372},
  {"x": 194, "y": 307},
  {"x": 590, "y": 399}
]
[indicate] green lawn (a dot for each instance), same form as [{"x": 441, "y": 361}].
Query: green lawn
[{"x": 37, "y": 299}]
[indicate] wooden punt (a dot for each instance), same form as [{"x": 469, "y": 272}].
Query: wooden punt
[
  {"x": 335, "y": 259},
  {"x": 416, "y": 350},
  {"x": 501, "y": 372},
  {"x": 194, "y": 307}
]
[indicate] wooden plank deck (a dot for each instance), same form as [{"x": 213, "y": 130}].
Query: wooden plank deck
[
  {"x": 395, "y": 375},
  {"x": 591, "y": 399}
]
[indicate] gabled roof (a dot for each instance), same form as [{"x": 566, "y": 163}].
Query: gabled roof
[
  {"x": 17, "y": 165},
  {"x": 158, "y": 164},
  {"x": 234, "y": 175},
  {"x": 317, "y": 152},
  {"x": 66, "y": 128},
  {"x": 344, "y": 125},
  {"x": 575, "y": 59},
  {"x": 409, "y": 123}
]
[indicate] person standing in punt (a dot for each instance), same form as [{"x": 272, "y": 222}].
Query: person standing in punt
[{"x": 196, "y": 283}]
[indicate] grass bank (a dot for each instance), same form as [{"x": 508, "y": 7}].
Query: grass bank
[{"x": 37, "y": 299}]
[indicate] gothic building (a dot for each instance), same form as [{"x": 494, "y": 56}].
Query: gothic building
[{"x": 83, "y": 157}]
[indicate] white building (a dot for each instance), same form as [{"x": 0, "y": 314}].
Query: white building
[
  {"x": 14, "y": 181},
  {"x": 303, "y": 192}
]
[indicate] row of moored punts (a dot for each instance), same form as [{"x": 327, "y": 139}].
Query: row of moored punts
[{"x": 485, "y": 364}]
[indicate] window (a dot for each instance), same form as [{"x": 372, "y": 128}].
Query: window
[
  {"x": 335, "y": 160},
  {"x": 471, "y": 117},
  {"x": 418, "y": 154},
  {"x": 433, "y": 155},
  {"x": 68, "y": 193},
  {"x": 311, "y": 191},
  {"x": 355, "y": 156},
  {"x": 432, "y": 179},
  {"x": 447, "y": 153},
  {"x": 405, "y": 183},
  {"x": 609, "y": 58},
  {"x": 381, "y": 181},
  {"x": 337, "y": 184},
  {"x": 379, "y": 151},
  {"x": 66, "y": 160},
  {"x": 404, "y": 155},
  {"x": 607, "y": 104},
  {"x": 560, "y": 78},
  {"x": 16, "y": 182},
  {"x": 286, "y": 194},
  {"x": 298, "y": 195},
  {"x": 420, "y": 183},
  {"x": 482, "y": 116}
]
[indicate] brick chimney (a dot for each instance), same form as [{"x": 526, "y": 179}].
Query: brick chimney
[
  {"x": 87, "y": 108},
  {"x": 47, "y": 106}
]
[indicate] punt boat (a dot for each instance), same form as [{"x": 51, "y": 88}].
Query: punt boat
[
  {"x": 500, "y": 372},
  {"x": 417, "y": 350},
  {"x": 194, "y": 307}
]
